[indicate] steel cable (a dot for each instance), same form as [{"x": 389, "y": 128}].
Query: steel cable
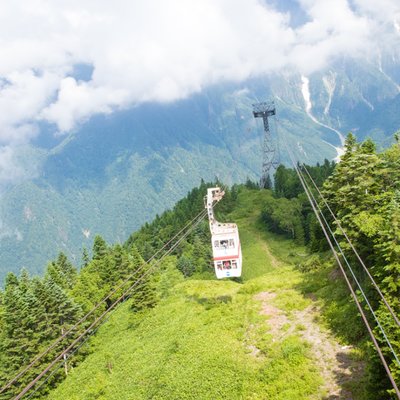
[
  {"x": 360, "y": 309},
  {"x": 198, "y": 217},
  {"x": 354, "y": 249},
  {"x": 354, "y": 277},
  {"x": 116, "y": 302},
  {"x": 87, "y": 315}
]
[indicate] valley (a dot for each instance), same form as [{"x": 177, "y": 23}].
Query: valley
[{"x": 115, "y": 172}]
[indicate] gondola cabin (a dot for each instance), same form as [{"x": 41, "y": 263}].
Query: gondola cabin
[{"x": 227, "y": 255}]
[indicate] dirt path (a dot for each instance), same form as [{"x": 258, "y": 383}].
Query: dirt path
[
  {"x": 274, "y": 261},
  {"x": 334, "y": 361}
]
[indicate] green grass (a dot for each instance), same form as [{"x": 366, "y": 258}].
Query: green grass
[
  {"x": 193, "y": 345},
  {"x": 339, "y": 312},
  {"x": 207, "y": 339}
]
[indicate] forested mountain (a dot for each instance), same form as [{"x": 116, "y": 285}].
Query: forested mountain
[
  {"x": 117, "y": 171},
  {"x": 247, "y": 331}
]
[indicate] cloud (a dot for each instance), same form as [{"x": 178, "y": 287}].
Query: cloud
[
  {"x": 77, "y": 100},
  {"x": 15, "y": 166},
  {"x": 164, "y": 50},
  {"x": 23, "y": 94},
  {"x": 331, "y": 32}
]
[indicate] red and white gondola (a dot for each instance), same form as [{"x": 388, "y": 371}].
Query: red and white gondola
[{"x": 227, "y": 255}]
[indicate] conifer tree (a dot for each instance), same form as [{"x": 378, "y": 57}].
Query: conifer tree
[
  {"x": 85, "y": 257},
  {"x": 60, "y": 309},
  {"x": 11, "y": 280},
  {"x": 67, "y": 270},
  {"x": 368, "y": 147},
  {"x": 143, "y": 295},
  {"x": 364, "y": 193},
  {"x": 23, "y": 333},
  {"x": 350, "y": 146},
  {"x": 13, "y": 315},
  {"x": 62, "y": 272},
  {"x": 88, "y": 289},
  {"x": 24, "y": 280},
  {"x": 185, "y": 265},
  {"x": 135, "y": 258},
  {"x": 99, "y": 248}
]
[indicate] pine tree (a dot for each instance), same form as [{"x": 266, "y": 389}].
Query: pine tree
[
  {"x": 24, "y": 280},
  {"x": 144, "y": 294},
  {"x": 350, "y": 145},
  {"x": 368, "y": 147},
  {"x": 67, "y": 270},
  {"x": 23, "y": 333},
  {"x": 136, "y": 260},
  {"x": 12, "y": 345},
  {"x": 88, "y": 289},
  {"x": 99, "y": 248},
  {"x": 186, "y": 266},
  {"x": 62, "y": 272},
  {"x": 85, "y": 257},
  {"x": 268, "y": 183}
]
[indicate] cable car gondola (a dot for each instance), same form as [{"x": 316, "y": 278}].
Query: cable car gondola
[{"x": 225, "y": 241}]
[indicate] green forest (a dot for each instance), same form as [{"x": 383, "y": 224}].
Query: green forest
[{"x": 181, "y": 334}]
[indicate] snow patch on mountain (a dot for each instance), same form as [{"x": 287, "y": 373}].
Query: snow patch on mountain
[
  {"x": 384, "y": 73},
  {"x": 329, "y": 82},
  {"x": 305, "y": 90},
  {"x": 367, "y": 103},
  {"x": 86, "y": 233},
  {"x": 301, "y": 149}
]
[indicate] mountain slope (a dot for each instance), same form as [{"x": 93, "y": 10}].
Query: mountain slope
[
  {"x": 213, "y": 339},
  {"x": 117, "y": 171},
  {"x": 121, "y": 170}
]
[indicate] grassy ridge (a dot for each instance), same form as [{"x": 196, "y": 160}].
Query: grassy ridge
[{"x": 208, "y": 339}]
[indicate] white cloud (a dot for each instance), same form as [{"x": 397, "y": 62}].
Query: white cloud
[
  {"x": 162, "y": 50},
  {"x": 12, "y": 169},
  {"x": 386, "y": 11},
  {"x": 23, "y": 94},
  {"x": 77, "y": 100}
]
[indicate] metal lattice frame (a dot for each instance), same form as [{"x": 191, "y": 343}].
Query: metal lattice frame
[{"x": 264, "y": 110}]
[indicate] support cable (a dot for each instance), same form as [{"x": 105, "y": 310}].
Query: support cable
[
  {"x": 353, "y": 248},
  {"x": 198, "y": 217},
  {"x": 360, "y": 309},
  {"x": 71, "y": 353},
  {"x": 354, "y": 277},
  {"x": 87, "y": 315},
  {"x": 116, "y": 302}
]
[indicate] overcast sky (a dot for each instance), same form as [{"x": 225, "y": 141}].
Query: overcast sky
[{"x": 63, "y": 61}]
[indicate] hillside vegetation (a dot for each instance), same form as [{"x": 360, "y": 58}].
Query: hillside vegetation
[
  {"x": 286, "y": 329},
  {"x": 119, "y": 170},
  {"x": 209, "y": 339}
]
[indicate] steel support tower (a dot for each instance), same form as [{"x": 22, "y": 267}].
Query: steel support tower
[{"x": 265, "y": 110}]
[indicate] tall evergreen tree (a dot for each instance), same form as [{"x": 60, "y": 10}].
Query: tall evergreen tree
[
  {"x": 99, "y": 248},
  {"x": 85, "y": 257},
  {"x": 62, "y": 272}
]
